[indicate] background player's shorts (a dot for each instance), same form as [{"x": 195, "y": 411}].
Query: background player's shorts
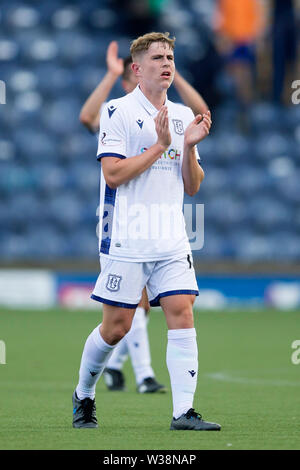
[{"x": 120, "y": 283}]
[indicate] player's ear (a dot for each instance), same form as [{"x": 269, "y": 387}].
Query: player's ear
[{"x": 135, "y": 67}]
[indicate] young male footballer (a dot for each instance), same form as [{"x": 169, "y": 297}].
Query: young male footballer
[
  {"x": 148, "y": 154},
  {"x": 136, "y": 342}
]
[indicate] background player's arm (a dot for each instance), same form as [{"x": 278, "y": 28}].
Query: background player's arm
[
  {"x": 189, "y": 95},
  {"x": 90, "y": 111},
  {"x": 192, "y": 172},
  {"x": 119, "y": 171}
]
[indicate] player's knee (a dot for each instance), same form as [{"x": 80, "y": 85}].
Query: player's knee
[
  {"x": 120, "y": 331},
  {"x": 186, "y": 318},
  {"x": 182, "y": 318}
]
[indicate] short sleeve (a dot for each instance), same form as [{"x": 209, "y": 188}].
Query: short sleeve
[{"x": 112, "y": 134}]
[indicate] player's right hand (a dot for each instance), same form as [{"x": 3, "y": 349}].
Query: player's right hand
[
  {"x": 114, "y": 64},
  {"x": 162, "y": 127}
]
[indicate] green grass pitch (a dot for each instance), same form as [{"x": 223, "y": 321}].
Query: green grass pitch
[{"x": 247, "y": 382}]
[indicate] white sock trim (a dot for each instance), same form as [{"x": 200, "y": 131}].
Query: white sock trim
[
  {"x": 184, "y": 333},
  {"x": 99, "y": 341}
]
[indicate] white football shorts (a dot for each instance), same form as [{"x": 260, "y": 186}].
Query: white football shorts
[{"x": 120, "y": 283}]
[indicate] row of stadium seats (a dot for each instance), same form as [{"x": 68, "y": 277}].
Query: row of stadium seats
[
  {"x": 46, "y": 241},
  {"x": 52, "y": 54},
  {"x": 58, "y": 136},
  {"x": 70, "y": 210},
  {"x": 246, "y": 184}
]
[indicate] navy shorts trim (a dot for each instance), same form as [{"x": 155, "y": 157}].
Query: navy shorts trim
[
  {"x": 156, "y": 303},
  {"x": 112, "y": 302}
]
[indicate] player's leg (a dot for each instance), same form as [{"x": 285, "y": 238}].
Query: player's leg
[
  {"x": 120, "y": 293},
  {"x": 173, "y": 286},
  {"x": 135, "y": 345},
  {"x": 138, "y": 345},
  {"x": 182, "y": 363},
  {"x": 182, "y": 352},
  {"x": 98, "y": 347}
]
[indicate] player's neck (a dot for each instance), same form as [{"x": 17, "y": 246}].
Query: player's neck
[{"x": 156, "y": 97}]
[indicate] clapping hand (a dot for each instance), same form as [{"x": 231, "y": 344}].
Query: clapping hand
[{"x": 198, "y": 129}]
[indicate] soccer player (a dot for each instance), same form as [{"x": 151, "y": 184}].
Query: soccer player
[
  {"x": 147, "y": 148},
  {"x": 136, "y": 342}
]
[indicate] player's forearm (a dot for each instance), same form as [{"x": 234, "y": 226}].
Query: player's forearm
[
  {"x": 192, "y": 172},
  {"x": 124, "y": 170},
  {"x": 89, "y": 114},
  {"x": 189, "y": 95}
]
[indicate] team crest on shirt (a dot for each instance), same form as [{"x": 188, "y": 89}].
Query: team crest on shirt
[
  {"x": 178, "y": 126},
  {"x": 113, "y": 282}
]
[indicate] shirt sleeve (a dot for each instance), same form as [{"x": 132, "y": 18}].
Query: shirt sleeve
[{"x": 112, "y": 134}]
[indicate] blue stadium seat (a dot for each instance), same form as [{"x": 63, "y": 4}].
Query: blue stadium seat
[
  {"x": 214, "y": 246},
  {"x": 232, "y": 147},
  {"x": 61, "y": 116},
  {"x": 35, "y": 145},
  {"x": 25, "y": 210},
  {"x": 50, "y": 178},
  {"x": 83, "y": 243},
  {"x": 9, "y": 53},
  {"x": 285, "y": 245},
  {"x": 288, "y": 187},
  {"x": 14, "y": 246},
  {"x": 22, "y": 16},
  {"x": 226, "y": 211},
  {"x": 62, "y": 79},
  {"x": 248, "y": 246},
  {"x": 80, "y": 146},
  {"x": 75, "y": 47},
  {"x": 291, "y": 120},
  {"x": 85, "y": 175},
  {"x": 65, "y": 210},
  {"x": 268, "y": 214},
  {"x": 45, "y": 241},
  {"x": 15, "y": 178},
  {"x": 272, "y": 144},
  {"x": 7, "y": 147},
  {"x": 248, "y": 180},
  {"x": 265, "y": 117}
]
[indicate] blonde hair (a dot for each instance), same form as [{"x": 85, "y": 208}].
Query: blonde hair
[{"x": 142, "y": 43}]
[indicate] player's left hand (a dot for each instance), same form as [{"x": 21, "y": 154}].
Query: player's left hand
[{"x": 198, "y": 129}]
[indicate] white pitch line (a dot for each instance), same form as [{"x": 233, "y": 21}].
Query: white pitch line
[{"x": 227, "y": 377}]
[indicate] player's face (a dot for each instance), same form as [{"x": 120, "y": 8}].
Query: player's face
[{"x": 157, "y": 66}]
